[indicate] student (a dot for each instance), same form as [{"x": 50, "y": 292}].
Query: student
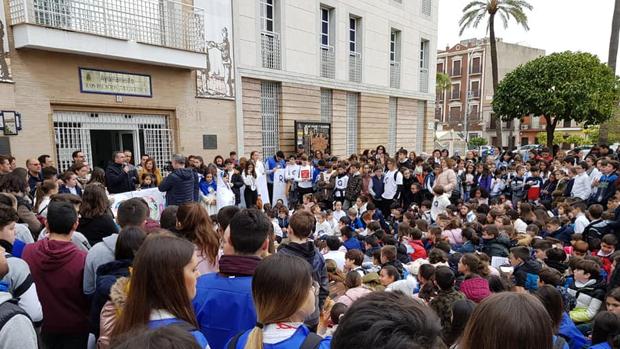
[
  {"x": 355, "y": 290},
  {"x": 533, "y": 184},
  {"x": 335, "y": 253},
  {"x": 208, "y": 192},
  {"x": 353, "y": 260},
  {"x": 159, "y": 338},
  {"x": 526, "y": 269},
  {"x": 587, "y": 289},
  {"x": 195, "y": 225},
  {"x": 96, "y": 222},
  {"x": 447, "y": 295},
  {"x": 605, "y": 329},
  {"x": 390, "y": 278},
  {"x": 16, "y": 328},
  {"x": 349, "y": 239},
  {"x": 568, "y": 336},
  {"x": 470, "y": 241},
  {"x": 474, "y": 287},
  {"x": 148, "y": 181},
  {"x": 461, "y": 312},
  {"x": 43, "y": 194},
  {"x": 301, "y": 226},
  {"x": 412, "y": 238},
  {"x": 57, "y": 267},
  {"x": 279, "y": 324},
  {"x": 559, "y": 231},
  {"x": 493, "y": 244},
  {"x": 581, "y": 221},
  {"x": 132, "y": 212},
  {"x": 440, "y": 202},
  {"x": 389, "y": 257},
  {"x": 385, "y": 320},
  {"x": 608, "y": 247},
  {"x": 376, "y": 186},
  {"x": 597, "y": 228},
  {"x": 392, "y": 185},
  {"x": 605, "y": 188},
  {"x": 304, "y": 177},
  {"x": 322, "y": 225},
  {"x": 341, "y": 181},
  {"x": 163, "y": 282},
  {"x": 501, "y": 321},
  {"x": 250, "y": 179},
  {"x": 223, "y": 302},
  {"x": 70, "y": 184},
  {"x": 354, "y": 185}
]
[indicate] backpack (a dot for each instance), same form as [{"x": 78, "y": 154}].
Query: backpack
[
  {"x": 10, "y": 309},
  {"x": 312, "y": 341}
]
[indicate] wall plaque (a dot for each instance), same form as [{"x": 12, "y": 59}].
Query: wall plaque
[{"x": 115, "y": 83}]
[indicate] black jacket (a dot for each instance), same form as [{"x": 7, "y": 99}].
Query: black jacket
[
  {"x": 119, "y": 181},
  {"x": 181, "y": 186},
  {"x": 95, "y": 229},
  {"x": 107, "y": 274}
]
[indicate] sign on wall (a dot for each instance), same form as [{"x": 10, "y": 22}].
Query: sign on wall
[
  {"x": 217, "y": 80},
  {"x": 115, "y": 83},
  {"x": 5, "y": 61},
  {"x": 313, "y": 136}
]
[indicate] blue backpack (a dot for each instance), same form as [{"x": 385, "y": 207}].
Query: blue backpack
[{"x": 198, "y": 336}]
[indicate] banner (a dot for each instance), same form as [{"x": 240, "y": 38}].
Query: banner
[
  {"x": 263, "y": 191},
  {"x": 153, "y": 197},
  {"x": 224, "y": 195},
  {"x": 279, "y": 187}
]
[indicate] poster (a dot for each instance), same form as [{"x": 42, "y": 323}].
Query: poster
[
  {"x": 217, "y": 80},
  {"x": 5, "y": 70},
  {"x": 313, "y": 136},
  {"x": 224, "y": 195},
  {"x": 115, "y": 83},
  {"x": 153, "y": 197},
  {"x": 279, "y": 187}
]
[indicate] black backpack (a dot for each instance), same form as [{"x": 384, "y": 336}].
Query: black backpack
[
  {"x": 312, "y": 341},
  {"x": 10, "y": 309}
]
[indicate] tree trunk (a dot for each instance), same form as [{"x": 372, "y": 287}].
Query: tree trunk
[
  {"x": 498, "y": 127},
  {"x": 603, "y": 137},
  {"x": 550, "y": 131}
]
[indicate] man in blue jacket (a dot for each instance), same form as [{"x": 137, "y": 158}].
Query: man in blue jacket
[
  {"x": 223, "y": 302},
  {"x": 181, "y": 186},
  {"x": 274, "y": 163}
]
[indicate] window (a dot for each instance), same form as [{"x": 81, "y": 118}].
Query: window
[
  {"x": 473, "y": 112},
  {"x": 395, "y": 58},
  {"x": 455, "y": 113},
  {"x": 525, "y": 141},
  {"x": 475, "y": 89},
  {"x": 325, "y": 26},
  {"x": 352, "y": 116},
  {"x": 456, "y": 91},
  {"x": 475, "y": 65},
  {"x": 421, "y": 126},
  {"x": 535, "y": 121},
  {"x": 353, "y": 34},
  {"x": 427, "y": 7},
  {"x": 424, "y": 58},
  {"x": 270, "y": 115},
  {"x": 267, "y": 15},
  {"x": 440, "y": 67},
  {"x": 439, "y": 113},
  {"x": 567, "y": 123},
  {"x": 456, "y": 67},
  {"x": 326, "y": 105},
  {"x": 392, "y": 118}
]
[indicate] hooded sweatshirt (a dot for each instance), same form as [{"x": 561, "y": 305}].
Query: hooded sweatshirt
[
  {"x": 100, "y": 254},
  {"x": 17, "y": 331},
  {"x": 308, "y": 252},
  {"x": 57, "y": 269},
  {"x": 526, "y": 274},
  {"x": 181, "y": 186}
]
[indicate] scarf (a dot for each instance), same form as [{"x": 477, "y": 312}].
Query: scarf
[{"x": 238, "y": 265}]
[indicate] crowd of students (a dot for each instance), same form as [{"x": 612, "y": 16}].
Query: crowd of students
[{"x": 495, "y": 250}]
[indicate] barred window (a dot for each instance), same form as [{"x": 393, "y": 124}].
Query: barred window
[
  {"x": 270, "y": 114},
  {"x": 352, "y": 116}
]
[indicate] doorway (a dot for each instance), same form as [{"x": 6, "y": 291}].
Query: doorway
[{"x": 105, "y": 142}]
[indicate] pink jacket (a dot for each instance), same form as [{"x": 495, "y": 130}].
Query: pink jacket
[
  {"x": 352, "y": 295},
  {"x": 447, "y": 179}
]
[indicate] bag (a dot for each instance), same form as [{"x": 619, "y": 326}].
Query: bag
[
  {"x": 8, "y": 310},
  {"x": 312, "y": 341}
]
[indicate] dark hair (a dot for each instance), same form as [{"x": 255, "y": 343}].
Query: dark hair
[
  {"x": 196, "y": 226},
  {"x": 556, "y": 254},
  {"x": 353, "y": 279},
  {"x": 225, "y": 215},
  {"x": 49, "y": 172},
  {"x": 302, "y": 224},
  {"x": 94, "y": 201},
  {"x": 391, "y": 271},
  {"x": 461, "y": 312},
  {"x": 605, "y": 327},
  {"x": 551, "y": 298},
  {"x": 76, "y": 152},
  {"x": 97, "y": 176},
  {"x": 168, "y": 219},
  {"x": 129, "y": 241},
  {"x": 550, "y": 276},
  {"x": 132, "y": 212},
  {"x": 8, "y": 215},
  {"x": 502, "y": 319},
  {"x": 588, "y": 267},
  {"x": 521, "y": 252},
  {"x": 333, "y": 243},
  {"x": 249, "y": 228},
  {"x": 165, "y": 337},
  {"x": 61, "y": 216},
  {"x": 43, "y": 158},
  {"x": 389, "y": 252},
  {"x": 337, "y": 311},
  {"x": 383, "y": 320},
  {"x": 444, "y": 277},
  {"x": 14, "y": 182},
  {"x": 595, "y": 211},
  {"x": 610, "y": 239},
  {"x": 345, "y": 231},
  {"x": 355, "y": 255}
]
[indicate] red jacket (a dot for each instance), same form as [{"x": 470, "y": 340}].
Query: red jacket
[
  {"x": 57, "y": 268},
  {"x": 418, "y": 249}
]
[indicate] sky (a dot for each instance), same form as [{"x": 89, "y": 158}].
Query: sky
[{"x": 555, "y": 26}]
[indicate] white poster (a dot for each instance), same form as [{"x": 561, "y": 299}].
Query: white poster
[
  {"x": 279, "y": 187},
  {"x": 224, "y": 195},
  {"x": 5, "y": 71},
  {"x": 153, "y": 197},
  {"x": 263, "y": 191},
  {"x": 217, "y": 80}
]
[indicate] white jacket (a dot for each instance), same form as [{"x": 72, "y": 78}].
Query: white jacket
[{"x": 582, "y": 187}]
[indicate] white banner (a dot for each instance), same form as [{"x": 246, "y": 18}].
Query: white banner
[
  {"x": 224, "y": 195},
  {"x": 279, "y": 187},
  {"x": 261, "y": 183},
  {"x": 153, "y": 197}
]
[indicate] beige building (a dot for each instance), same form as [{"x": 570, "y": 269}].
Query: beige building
[{"x": 160, "y": 76}]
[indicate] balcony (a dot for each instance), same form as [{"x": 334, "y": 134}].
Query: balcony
[
  {"x": 424, "y": 80},
  {"x": 394, "y": 74},
  {"x": 270, "y": 50},
  {"x": 328, "y": 64},
  {"x": 355, "y": 67},
  {"x": 159, "y": 32}
]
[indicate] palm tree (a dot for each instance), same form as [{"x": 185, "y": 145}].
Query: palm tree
[
  {"x": 611, "y": 61},
  {"x": 443, "y": 82},
  {"x": 476, "y": 11}
]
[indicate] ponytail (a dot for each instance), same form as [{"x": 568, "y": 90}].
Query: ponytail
[
  {"x": 255, "y": 338},
  {"x": 43, "y": 189}
]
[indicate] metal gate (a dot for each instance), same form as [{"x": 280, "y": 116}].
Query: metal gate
[{"x": 152, "y": 134}]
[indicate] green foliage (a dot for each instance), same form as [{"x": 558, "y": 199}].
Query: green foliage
[
  {"x": 476, "y": 11},
  {"x": 561, "y": 138},
  {"x": 443, "y": 82},
  {"x": 476, "y": 142}
]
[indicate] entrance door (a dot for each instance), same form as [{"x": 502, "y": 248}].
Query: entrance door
[
  {"x": 106, "y": 142},
  {"x": 127, "y": 143}
]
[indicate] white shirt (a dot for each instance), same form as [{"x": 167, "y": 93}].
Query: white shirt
[
  {"x": 304, "y": 177},
  {"x": 250, "y": 181},
  {"x": 390, "y": 185},
  {"x": 440, "y": 203},
  {"x": 276, "y": 228},
  {"x": 336, "y": 256},
  {"x": 323, "y": 229},
  {"x": 581, "y": 222},
  {"x": 582, "y": 187},
  {"x": 338, "y": 214},
  {"x": 595, "y": 174},
  {"x": 520, "y": 226}
]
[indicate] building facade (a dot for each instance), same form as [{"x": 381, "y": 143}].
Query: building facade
[
  {"x": 468, "y": 64},
  {"x": 210, "y": 76}
]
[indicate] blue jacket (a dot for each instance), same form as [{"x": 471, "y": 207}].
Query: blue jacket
[
  {"x": 467, "y": 247},
  {"x": 526, "y": 274},
  {"x": 64, "y": 190},
  {"x": 181, "y": 186},
  {"x": 603, "y": 345},
  {"x": 563, "y": 234},
  {"x": 353, "y": 244},
  {"x": 200, "y": 339},
  {"x": 293, "y": 342},
  {"x": 271, "y": 166},
  {"x": 223, "y": 307},
  {"x": 571, "y": 333}
]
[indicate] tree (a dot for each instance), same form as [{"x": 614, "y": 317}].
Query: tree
[
  {"x": 561, "y": 86},
  {"x": 476, "y": 11},
  {"x": 476, "y": 142},
  {"x": 611, "y": 61},
  {"x": 443, "y": 82}
]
